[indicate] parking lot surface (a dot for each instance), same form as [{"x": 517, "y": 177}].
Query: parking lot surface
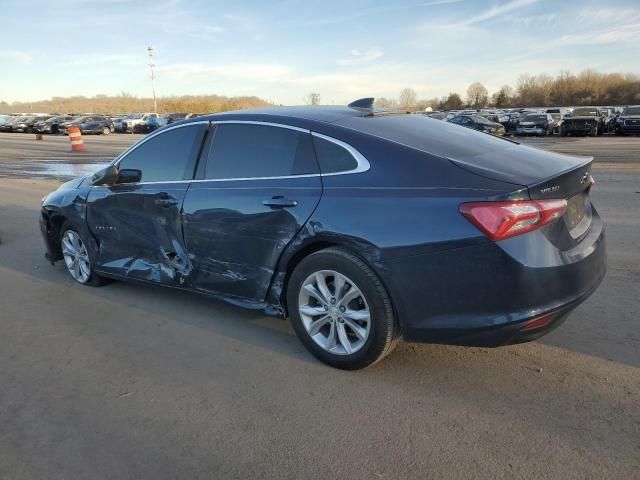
[{"x": 127, "y": 381}]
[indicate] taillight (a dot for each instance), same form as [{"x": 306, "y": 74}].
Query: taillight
[{"x": 500, "y": 220}]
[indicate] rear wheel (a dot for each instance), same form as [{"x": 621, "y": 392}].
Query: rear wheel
[
  {"x": 106, "y": 131},
  {"x": 76, "y": 258},
  {"x": 340, "y": 310}
]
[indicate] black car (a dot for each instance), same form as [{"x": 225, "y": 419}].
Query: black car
[
  {"x": 477, "y": 122},
  {"x": 540, "y": 124},
  {"x": 628, "y": 121},
  {"x": 51, "y": 125},
  {"x": 8, "y": 125},
  {"x": 583, "y": 121},
  {"x": 25, "y": 124},
  {"x": 361, "y": 227},
  {"x": 100, "y": 124}
]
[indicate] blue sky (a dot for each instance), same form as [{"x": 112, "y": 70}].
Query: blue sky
[{"x": 282, "y": 50}]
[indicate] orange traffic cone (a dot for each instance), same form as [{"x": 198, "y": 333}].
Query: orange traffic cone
[{"x": 76, "y": 139}]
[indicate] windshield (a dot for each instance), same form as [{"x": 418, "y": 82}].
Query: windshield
[
  {"x": 585, "y": 112},
  {"x": 631, "y": 111},
  {"x": 534, "y": 118}
]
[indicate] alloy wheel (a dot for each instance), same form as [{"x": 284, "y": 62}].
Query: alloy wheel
[
  {"x": 334, "y": 312},
  {"x": 76, "y": 256}
]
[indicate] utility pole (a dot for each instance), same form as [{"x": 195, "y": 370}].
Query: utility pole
[{"x": 153, "y": 78}]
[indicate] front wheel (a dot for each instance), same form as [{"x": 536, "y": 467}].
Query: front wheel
[
  {"x": 106, "y": 131},
  {"x": 76, "y": 258},
  {"x": 340, "y": 310}
]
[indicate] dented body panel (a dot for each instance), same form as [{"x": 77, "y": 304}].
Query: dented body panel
[
  {"x": 234, "y": 240},
  {"x": 138, "y": 228}
]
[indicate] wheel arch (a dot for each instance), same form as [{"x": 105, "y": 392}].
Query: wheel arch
[{"x": 365, "y": 251}]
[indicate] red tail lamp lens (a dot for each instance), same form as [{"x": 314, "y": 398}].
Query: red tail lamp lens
[{"x": 500, "y": 220}]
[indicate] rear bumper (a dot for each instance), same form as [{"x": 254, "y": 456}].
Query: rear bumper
[{"x": 485, "y": 295}]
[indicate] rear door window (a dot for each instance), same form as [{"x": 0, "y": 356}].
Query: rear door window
[{"x": 259, "y": 151}]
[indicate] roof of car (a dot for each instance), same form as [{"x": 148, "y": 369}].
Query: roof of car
[{"x": 327, "y": 114}]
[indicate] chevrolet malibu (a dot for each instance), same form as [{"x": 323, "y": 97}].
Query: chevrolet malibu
[{"x": 362, "y": 227}]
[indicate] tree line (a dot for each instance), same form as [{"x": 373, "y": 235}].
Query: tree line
[
  {"x": 589, "y": 87},
  {"x": 126, "y": 103}
]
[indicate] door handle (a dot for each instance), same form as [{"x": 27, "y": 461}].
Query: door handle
[
  {"x": 166, "y": 202},
  {"x": 279, "y": 202}
]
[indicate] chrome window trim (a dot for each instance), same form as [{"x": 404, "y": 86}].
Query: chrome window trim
[
  {"x": 363, "y": 164},
  {"x": 257, "y": 122}
]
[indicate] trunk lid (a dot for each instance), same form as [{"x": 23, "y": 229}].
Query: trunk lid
[{"x": 547, "y": 176}]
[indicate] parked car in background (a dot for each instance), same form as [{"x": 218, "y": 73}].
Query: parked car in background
[
  {"x": 628, "y": 121},
  {"x": 609, "y": 120},
  {"x": 276, "y": 220},
  {"x": 176, "y": 117},
  {"x": 7, "y": 126},
  {"x": 540, "y": 124},
  {"x": 51, "y": 125},
  {"x": 99, "y": 124},
  {"x": 4, "y": 119},
  {"x": 583, "y": 121},
  {"x": 476, "y": 122},
  {"x": 150, "y": 124},
  {"x": 19, "y": 125},
  {"x": 558, "y": 115},
  {"x": 127, "y": 124}
]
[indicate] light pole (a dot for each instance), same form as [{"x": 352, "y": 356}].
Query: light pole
[{"x": 153, "y": 78}]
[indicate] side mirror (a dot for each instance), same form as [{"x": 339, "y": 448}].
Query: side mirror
[
  {"x": 106, "y": 176},
  {"x": 129, "y": 175}
]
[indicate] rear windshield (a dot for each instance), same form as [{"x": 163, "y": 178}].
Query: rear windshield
[
  {"x": 631, "y": 111},
  {"x": 427, "y": 134},
  {"x": 585, "y": 112}
]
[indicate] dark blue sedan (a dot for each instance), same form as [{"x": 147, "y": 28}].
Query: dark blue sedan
[{"x": 360, "y": 226}]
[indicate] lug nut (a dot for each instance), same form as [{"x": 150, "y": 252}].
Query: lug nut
[
  {"x": 343, "y": 309},
  {"x": 333, "y": 301}
]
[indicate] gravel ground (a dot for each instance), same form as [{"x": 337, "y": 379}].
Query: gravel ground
[{"x": 132, "y": 382}]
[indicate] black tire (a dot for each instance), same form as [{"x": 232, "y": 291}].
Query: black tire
[
  {"x": 94, "y": 280},
  {"x": 384, "y": 331},
  {"x": 594, "y": 131},
  {"x": 563, "y": 132}
]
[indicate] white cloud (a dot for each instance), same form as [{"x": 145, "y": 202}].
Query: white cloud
[{"x": 357, "y": 57}]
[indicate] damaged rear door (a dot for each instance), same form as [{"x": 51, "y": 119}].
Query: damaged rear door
[
  {"x": 260, "y": 185},
  {"x": 138, "y": 225}
]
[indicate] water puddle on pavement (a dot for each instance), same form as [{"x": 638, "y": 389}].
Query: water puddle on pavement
[{"x": 50, "y": 169}]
